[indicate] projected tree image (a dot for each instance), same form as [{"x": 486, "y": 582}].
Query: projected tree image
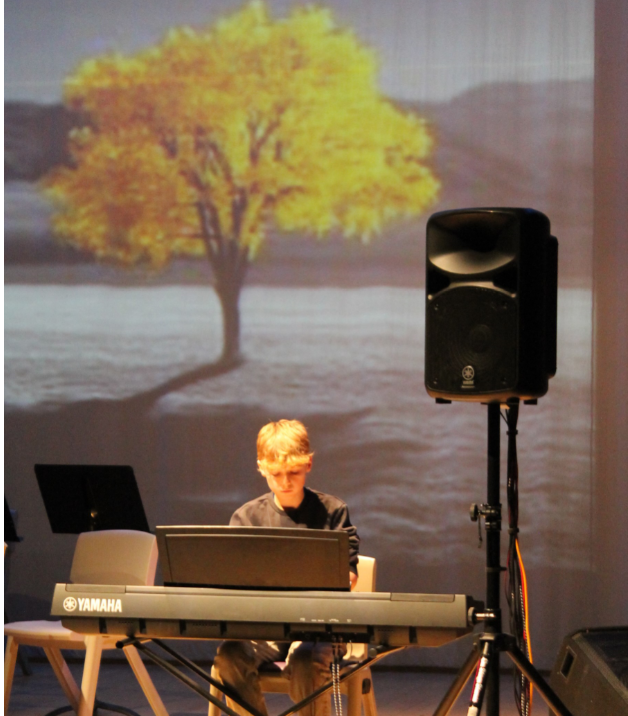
[{"x": 198, "y": 145}]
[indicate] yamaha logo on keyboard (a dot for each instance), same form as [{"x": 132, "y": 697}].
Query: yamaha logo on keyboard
[{"x": 88, "y": 604}]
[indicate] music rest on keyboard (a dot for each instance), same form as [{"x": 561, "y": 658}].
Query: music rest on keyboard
[{"x": 378, "y": 618}]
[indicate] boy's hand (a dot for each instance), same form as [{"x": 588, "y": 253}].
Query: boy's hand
[{"x": 353, "y": 579}]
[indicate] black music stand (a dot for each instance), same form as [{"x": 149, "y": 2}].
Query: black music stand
[
  {"x": 10, "y": 533},
  {"x": 87, "y": 498},
  {"x": 247, "y": 557}
]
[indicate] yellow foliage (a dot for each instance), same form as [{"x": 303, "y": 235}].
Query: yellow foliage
[{"x": 211, "y": 135}]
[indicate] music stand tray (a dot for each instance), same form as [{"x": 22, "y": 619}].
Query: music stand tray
[{"x": 86, "y": 498}]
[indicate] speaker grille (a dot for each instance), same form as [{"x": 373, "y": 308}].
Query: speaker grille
[
  {"x": 612, "y": 646},
  {"x": 590, "y": 675},
  {"x": 471, "y": 341}
]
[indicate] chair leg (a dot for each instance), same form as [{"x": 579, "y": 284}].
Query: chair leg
[
  {"x": 213, "y": 710},
  {"x": 141, "y": 674},
  {"x": 64, "y": 676},
  {"x": 91, "y": 668},
  {"x": 10, "y": 657},
  {"x": 368, "y": 700},
  {"x": 354, "y": 695}
]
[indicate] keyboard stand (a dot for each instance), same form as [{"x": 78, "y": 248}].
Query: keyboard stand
[{"x": 376, "y": 653}]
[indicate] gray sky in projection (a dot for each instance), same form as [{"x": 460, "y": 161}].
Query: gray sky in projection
[{"x": 430, "y": 50}]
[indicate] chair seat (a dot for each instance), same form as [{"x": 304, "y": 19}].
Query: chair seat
[
  {"x": 33, "y": 633},
  {"x": 36, "y": 633},
  {"x": 43, "y": 626},
  {"x": 272, "y": 667}
]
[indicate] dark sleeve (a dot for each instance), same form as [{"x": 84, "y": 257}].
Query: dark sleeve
[
  {"x": 240, "y": 518},
  {"x": 341, "y": 521},
  {"x": 255, "y": 513}
]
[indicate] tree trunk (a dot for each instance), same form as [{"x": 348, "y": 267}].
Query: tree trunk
[
  {"x": 229, "y": 297},
  {"x": 229, "y": 275},
  {"x": 229, "y": 261}
]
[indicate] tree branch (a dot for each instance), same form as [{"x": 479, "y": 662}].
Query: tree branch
[
  {"x": 168, "y": 140},
  {"x": 210, "y": 231},
  {"x": 238, "y": 209},
  {"x": 271, "y": 200},
  {"x": 257, "y": 143}
]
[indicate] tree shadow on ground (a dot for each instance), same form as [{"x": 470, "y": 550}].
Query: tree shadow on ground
[
  {"x": 190, "y": 465},
  {"x": 179, "y": 382}
]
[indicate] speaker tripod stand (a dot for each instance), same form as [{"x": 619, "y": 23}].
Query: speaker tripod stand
[{"x": 492, "y": 641}]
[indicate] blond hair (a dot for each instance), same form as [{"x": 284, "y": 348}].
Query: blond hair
[{"x": 285, "y": 442}]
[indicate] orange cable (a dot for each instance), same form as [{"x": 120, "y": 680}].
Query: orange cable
[{"x": 524, "y": 584}]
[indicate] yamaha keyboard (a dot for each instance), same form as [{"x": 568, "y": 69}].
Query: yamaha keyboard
[{"x": 379, "y": 618}]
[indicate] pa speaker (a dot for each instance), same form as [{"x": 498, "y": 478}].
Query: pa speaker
[
  {"x": 590, "y": 675},
  {"x": 490, "y": 323}
]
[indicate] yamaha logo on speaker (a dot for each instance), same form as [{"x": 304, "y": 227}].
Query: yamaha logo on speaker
[
  {"x": 69, "y": 604},
  {"x": 468, "y": 374}
]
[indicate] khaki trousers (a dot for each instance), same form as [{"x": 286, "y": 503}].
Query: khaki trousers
[{"x": 308, "y": 667}]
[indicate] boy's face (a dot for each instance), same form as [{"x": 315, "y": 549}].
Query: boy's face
[{"x": 287, "y": 482}]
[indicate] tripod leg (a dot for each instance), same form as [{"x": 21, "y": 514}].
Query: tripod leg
[
  {"x": 455, "y": 689},
  {"x": 533, "y": 676},
  {"x": 477, "y": 697}
]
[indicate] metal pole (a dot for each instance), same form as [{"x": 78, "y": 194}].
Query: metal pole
[{"x": 493, "y": 567}]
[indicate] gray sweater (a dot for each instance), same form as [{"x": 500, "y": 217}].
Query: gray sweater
[{"x": 318, "y": 511}]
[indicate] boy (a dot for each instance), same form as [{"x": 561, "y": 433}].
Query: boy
[{"x": 285, "y": 460}]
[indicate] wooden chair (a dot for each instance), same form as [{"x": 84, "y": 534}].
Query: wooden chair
[
  {"x": 106, "y": 557},
  {"x": 22, "y": 659},
  {"x": 358, "y": 688}
]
